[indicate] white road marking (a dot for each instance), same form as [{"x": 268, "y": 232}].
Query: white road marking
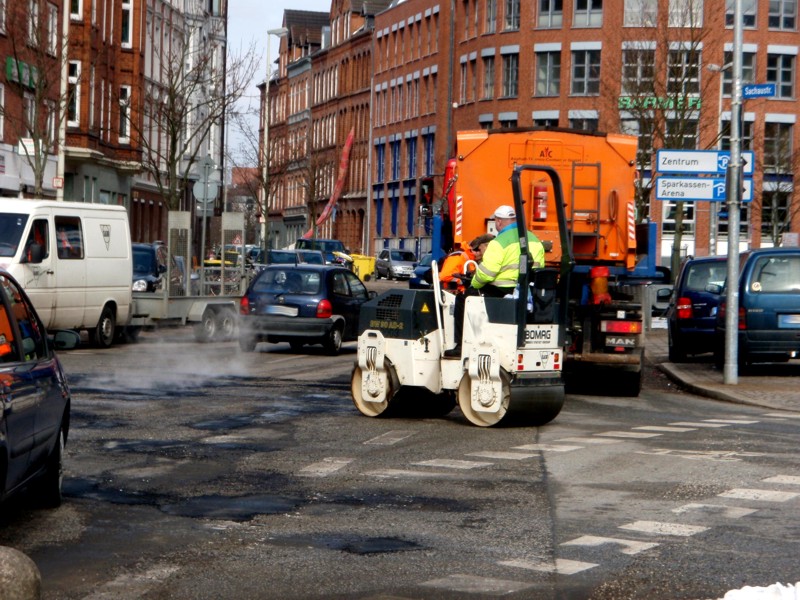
[
  {"x": 390, "y": 437},
  {"x": 548, "y": 447},
  {"x": 695, "y": 424},
  {"x": 627, "y": 434},
  {"x": 718, "y": 456},
  {"x": 731, "y": 421},
  {"x": 452, "y": 464},
  {"x": 659, "y": 528},
  {"x": 503, "y": 455},
  {"x": 132, "y": 586},
  {"x": 731, "y": 512},
  {"x": 763, "y": 495},
  {"x": 588, "y": 440},
  {"x": 405, "y": 473},
  {"x": 325, "y": 467},
  {"x": 783, "y": 415},
  {"x": 783, "y": 479},
  {"x": 629, "y": 547},
  {"x": 665, "y": 429},
  {"x": 562, "y": 566},
  {"x": 471, "y": 584}
]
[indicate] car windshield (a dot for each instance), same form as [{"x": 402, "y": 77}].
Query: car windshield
[
  {"x": 11, "y": 227},
  {"x": 776, "y": 274},
  {"x": 281, "y": 257},
  {"x": 143, "y": 261},
  {"x": 404, "y": 256},
  {"x": 426, "y": 260},
  {"x": 324, "y": 245},
  {"x": 287, "y": 281},
  {"x": 312, "y": 258}
]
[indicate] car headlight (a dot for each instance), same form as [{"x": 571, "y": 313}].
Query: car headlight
[{"x": 140, "y": 285}]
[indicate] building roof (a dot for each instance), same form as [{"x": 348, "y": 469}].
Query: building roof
[
  {"x": 305, "y": 26},
  {"x": 370, "y": 7}
]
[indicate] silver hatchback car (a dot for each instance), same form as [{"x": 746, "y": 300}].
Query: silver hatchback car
[{"x": 395, "y": 264}]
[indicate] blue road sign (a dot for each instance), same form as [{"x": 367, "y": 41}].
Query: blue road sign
[
  {"x": 758, "y": 90},
  {"x": 700, "y": 162},
  {"x": 680, "y": 189}
]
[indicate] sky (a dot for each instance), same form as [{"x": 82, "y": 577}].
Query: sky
[{"x": 248, "y": 22}]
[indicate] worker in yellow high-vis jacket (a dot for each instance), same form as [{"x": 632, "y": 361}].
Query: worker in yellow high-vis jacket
[{"x": 498, "y": 273}]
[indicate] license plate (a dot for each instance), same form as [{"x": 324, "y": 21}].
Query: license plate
[
  {"x": 285, "y": 311},
  {"x": 789, "y": 321}
]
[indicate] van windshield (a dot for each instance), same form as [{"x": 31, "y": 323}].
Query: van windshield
[
  {"x": 776, "y": 274},
  {"x": 11, "y": 227},
  {"x": 324, "y": 245}
]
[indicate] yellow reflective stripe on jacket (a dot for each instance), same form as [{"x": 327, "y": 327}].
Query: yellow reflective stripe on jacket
[{"x": 500, "y": 264}]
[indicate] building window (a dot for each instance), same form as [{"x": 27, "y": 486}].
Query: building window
[
  {"x": 746, "y": 135},
  {"x": 50, "y": 115},
  {"x": 749, "y": 13},
  {"x": 29, "y": 109},
  {"x": 33, "y": 23},
  {"x": 125, "y": 25},
  {"x": 686, "y": 13},
  {"x": 511, "y": 21},
  {"x": 76, "y": 9},
  {"x": 640, "y": 13},
  {"x": 2, "y": 16},
  {"x": 681, "y": 133},
  {"x": 638, "y": 70},
  {"x": 670, "y": 212},
  {"x": 748, "y": 71},
  {"x": 642, "y": 128},
  {"x": 777, "y": 148},
  {"x": 782, "y": 14},
  {"x": 545, "y": 122},
  {"x": 510, "y": 75},
  {"x": 491, "y": 16},
  {"x": 550, "y": 14},
  {"x": 780, "y": 71},
  {"x": 411, "y": 150},
  {"x": 52, "y": 29},
  {"x": 508, "y": 123},
  {"x": 683, "y": 71},
  {"x": 396, "y": 160},
  {"x": 585, "y": 72},
  {"x": 775, "y": 214},
  {"x": 585, "y": 124},
  {"x": 73, "y": 93},
  {"x": 588, "y": 13},
  {"x": 488, "y": 77},
  {"x": 548, "y": 73},
  {"x": 463, "y": 96},
  {"x": 124, "y": 114}
]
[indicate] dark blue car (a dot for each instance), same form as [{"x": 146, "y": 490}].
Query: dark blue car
[
  {"x": 302, "y": 304},
  {"x": 691, "y": 314},
  {"x": 35, "y": 397}
]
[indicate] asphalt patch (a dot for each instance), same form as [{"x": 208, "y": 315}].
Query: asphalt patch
[{"x": 231, "y": 508}]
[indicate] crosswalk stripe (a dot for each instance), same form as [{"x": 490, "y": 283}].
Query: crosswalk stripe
[
  {"x": 783, "y": 479},
  {"x": 390, "y": 437},
  {"x": 588, "y": 440},
  {"x": 548, "y": 447},
  {"x": 695, "y": 424},
  {"x": 325, "y": 467},
  {"x": 627, "y": 434},
  {"x": 629, "y": 547},
  {"x": 763, "y": 495},
  {"x": 659, "y": 528},
  {"x": 731, "y": 512},
  {"x": 665, "y": 429},
  {"x": 452, "y": 464},
  {"x": 562, "y": 566},
  {"x": 731, "y": 421},
  {"x": 503, "y": 455},
  {"x": 473, "y": 584}
]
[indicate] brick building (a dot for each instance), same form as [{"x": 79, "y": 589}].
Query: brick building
[{"x": 657, "y": 68}]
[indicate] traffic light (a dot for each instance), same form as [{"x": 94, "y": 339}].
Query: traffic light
[{"x": 425, "y": 196}]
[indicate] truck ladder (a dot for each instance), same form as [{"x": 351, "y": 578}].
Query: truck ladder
[{"x": 584, "y": 219}]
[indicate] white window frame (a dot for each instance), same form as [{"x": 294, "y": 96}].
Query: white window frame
[
  {"x": 549, "y": 17},
  {"x": 33, "y": 23},
  {"x": 3, "y": 16},
  {"x": 28, "y": 111},
  {"x": 2, "y": 109},
  {"x": 126, "y": 41},
  {"x": 50, "y": 108},
  {"x": 586, "y": 60},
  {"x": 52, "y": 29},
  {"x": 587, "y": 13},
  {"x": 124, "y": 114},
  {"x": 547, "y": 79},
  {"x": 686, "y": 13},
  {"x": 76, "y": 15},
  {"x": 640, "y": 13},
  {"x": 785, "y": 17},
  {"x": 74, "y": 83}
]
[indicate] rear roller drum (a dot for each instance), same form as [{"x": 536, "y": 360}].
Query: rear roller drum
[
  {"x": 480, "y": 418},
  {"x": 388, "y": 383}
]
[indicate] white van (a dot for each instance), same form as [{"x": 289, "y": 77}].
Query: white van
[{"x": 74, "y": 261}]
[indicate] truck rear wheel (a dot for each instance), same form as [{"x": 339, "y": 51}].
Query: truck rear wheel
[
  {"x": 206, "y": 329},
  {"x": 226, "y": 325},
  {"x": 103, "y": 333}
]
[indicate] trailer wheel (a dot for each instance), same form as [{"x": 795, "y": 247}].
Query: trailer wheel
[
  {"x": 365, "y": 407},
  {"x": 226, "y": 325},
  {"x": 206, "y": 329},
  {"x": 103, "y": 333},
  {"x": 480, "y": 418}
]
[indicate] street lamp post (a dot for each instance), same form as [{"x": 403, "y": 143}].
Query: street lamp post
[
  {"x": 279, "y": 32},
  {"x": 712, "y": 238}
]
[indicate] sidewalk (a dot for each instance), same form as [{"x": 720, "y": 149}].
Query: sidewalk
[{"x": 772, "y": 386}]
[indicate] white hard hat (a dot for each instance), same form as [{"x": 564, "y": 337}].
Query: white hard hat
[{"x": 505, "y": 212}]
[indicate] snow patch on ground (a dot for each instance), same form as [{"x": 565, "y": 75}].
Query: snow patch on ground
[{"x": 776, "y": 591}]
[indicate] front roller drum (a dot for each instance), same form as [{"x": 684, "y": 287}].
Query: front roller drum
[
  {"x": 527, "y": 402},
  {"x": 373, "y": 390}
]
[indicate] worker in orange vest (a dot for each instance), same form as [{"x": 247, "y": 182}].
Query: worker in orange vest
[{"x": 453, "y": 265}]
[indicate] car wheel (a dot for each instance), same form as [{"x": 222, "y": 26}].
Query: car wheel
[
  {"x": 247, "y": 343},
  {"x": 677, "y": 353},
  {"x": 50, "y": 484},
  {"x": 103, "y": 333},
  {"x": 333, "y": 343},
  {"x": 206, "y": 329}
]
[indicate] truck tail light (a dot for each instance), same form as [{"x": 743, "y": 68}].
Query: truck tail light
[
  {"x": 244, "y": 306},
  {"x": 621, "y": 326},
  {"x": 684, "y": 308},
  {"x": 324, "y": 309},
  {"x": 742, "y": 319}
]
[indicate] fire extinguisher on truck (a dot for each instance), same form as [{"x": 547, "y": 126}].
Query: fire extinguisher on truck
[{"x": 605, "y": 324}]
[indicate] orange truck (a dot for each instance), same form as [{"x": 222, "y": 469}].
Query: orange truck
[{"x": 604, "y": 329}]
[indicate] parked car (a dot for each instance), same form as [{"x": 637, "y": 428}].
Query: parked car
[
  {"x": 329, "y": 248},
  {"x": 692, "y": 311},
  {"x": 769, "y": 308},
  {"x": 302, "y": 304},
  {"x": 421, "y": 278},
  {"x": 287, "y": 257},
  {"x": 34, "y": 422},
  {"x": 150, "y": 268},
  {"x": 395, "y": 264}
]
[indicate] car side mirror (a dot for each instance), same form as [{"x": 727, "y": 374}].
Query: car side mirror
[
  {"x": 34, "y": 254},
  {"x": 373, "y": 294},
  {"x": 66, "y": 339},
  {"x": 714, "y": 288},
  {"x": 663, "y": 295}
]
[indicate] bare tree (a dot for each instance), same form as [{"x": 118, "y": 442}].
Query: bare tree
[
  {"x": 192, "y": 89},
  {"x": 776, "y": 206},
  {"x": 664, "y": 111},
  {"x": 39, "y": 53}
]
